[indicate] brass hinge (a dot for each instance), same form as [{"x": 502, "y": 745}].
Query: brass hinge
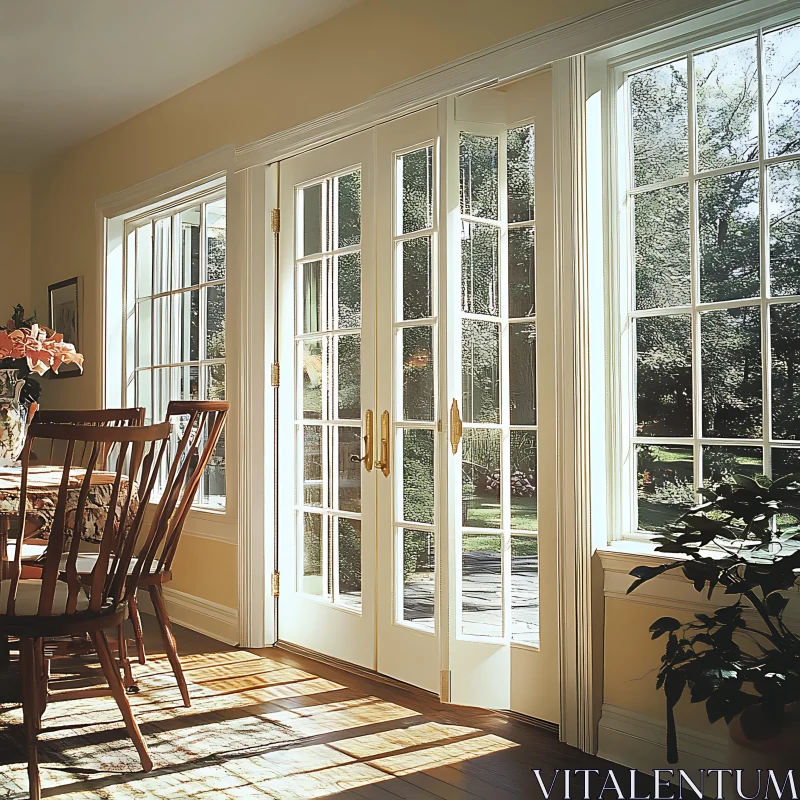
[
  {"x": 275, "y": 374},
  {"x": 444, "y": 695},
  {"x": 276, "y": 584},
  {"x": 276, "y": 220}
]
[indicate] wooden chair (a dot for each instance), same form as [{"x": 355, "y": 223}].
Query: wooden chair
[
  {"x": 62, "y": 602},
  {"x": 192, "y": 449}
]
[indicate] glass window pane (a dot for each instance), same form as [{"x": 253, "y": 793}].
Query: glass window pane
[
  {"x": 416, "y": 172},
  {"x": 731, "y": 367},
  {"x": 722, "y": 463},
  {"x": 189, "y": 382},
  {"x": 521, "y": 272},
  {"x": 144, "y": 333},
  {"x": 311, "y": 223},
  {"x": 213, "y": 487},
  {"x": 348, "y": 368},
  {"x": 419, "y": 578},
  {"x": 660, "y": 121},
  {"x": 216, "y": 221},
  {"x": 313, "y": 310},
  {"x": 130, "y": 271},
  {"x": 524, "y": 500},
  {"x": 478, "y": 169},
  {"x": 189, "y": 268},
  {"x": 729, "y": 237},
  {"x": 418, "y": 377},
  {"x": 162, "y": 258},
  {"x": 348, "y": 290},
  {"x": 481, "y": 585},
  {"x": 144, "y": 260},
  {"x": 785, "y": 461},
  {"x": 215, "y": 321},
  {"x": 521, "y": 173},
  {"x": 186, "y": 339},
  {"x": 417, "y": 502},
  {"x": 417, "y": 278},
  {"x": 313, "y": 370},
  {"x": 481, "y": 481},
  {"x": 349, "y": 562},
  {"x": 785, "y": 336},
  {"x": 348, "y": 206},
  {"x": 784, "y": 228},
  {"x": 664, "y": 376},
  {"x": 522, "y": 373},
  {"x": 525, "y": 590},
  {"x": 781, "y": 61},
  {"x": 313, "y": 557},
  {"x": 727, "y": 105},
  {"x": 215, "y": 381},
  {"x": 349, "y": 471},
  {"x": 162, "y": 338},
  {"x": 144, "y": 394},
  {"x": 480, "y": 369},
  {"x": 661, "y": 243},
  {"x": 313, "y": 460},
  {"x": 479, "y": 269},
  {"x": 665, "y": 481}
]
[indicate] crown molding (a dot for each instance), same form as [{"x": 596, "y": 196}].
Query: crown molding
[{"x": 499, "y": 63}]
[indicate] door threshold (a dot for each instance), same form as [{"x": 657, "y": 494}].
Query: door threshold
[{"x": 355, "y": 669}]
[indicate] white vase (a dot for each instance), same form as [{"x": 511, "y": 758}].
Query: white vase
[{"x": 14, "y": 416}]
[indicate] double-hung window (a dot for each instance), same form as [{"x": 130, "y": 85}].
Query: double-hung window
[
  {"x": 708, "y": 256},
  {"x": 174, "y": 266}
]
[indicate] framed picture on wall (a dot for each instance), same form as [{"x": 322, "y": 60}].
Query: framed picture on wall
[{"x": 64, "y": 307}]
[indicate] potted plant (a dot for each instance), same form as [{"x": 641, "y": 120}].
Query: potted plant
[
  {"x": 742, "y": 660},
  {"x": 27, "y": 350}
]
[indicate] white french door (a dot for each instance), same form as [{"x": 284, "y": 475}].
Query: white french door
[{"x": 418, "y": 510}]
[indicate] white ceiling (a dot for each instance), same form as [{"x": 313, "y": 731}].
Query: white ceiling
[{"x": 70, "y": 69}]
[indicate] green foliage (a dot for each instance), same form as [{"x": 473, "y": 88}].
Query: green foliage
[{"x": 734, "y": 541}]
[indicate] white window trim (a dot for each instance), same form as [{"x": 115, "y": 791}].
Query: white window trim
[{"x": 606, "y": 72}]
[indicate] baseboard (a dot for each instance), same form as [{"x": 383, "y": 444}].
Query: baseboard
[
  {"x": 204, "y": 616},
  {"x": 638, "y": 741}
]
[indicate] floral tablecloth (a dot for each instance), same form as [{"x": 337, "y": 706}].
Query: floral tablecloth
[{"x": 43, "y": 487}]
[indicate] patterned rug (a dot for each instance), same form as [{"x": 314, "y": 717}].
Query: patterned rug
[{"x": 257, "y": 728}]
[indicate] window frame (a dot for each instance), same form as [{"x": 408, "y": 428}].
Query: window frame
[
  {"x": 607, "y": 73},
  {"x": 128, "y": 372}
]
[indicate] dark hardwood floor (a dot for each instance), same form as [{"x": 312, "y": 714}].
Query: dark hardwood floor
[{"x": 271, "y": 723}]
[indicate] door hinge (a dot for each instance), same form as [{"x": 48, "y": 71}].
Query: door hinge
[
  {"x": 444, "y": 695},
  {"x": 275, "y": 374},
  {"x": 276, "y": 584},
  {"x": 276, "y": 220}
]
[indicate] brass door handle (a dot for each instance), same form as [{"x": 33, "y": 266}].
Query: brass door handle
[
  {"x": 456, "y": 426},
  {"x": 383, "y": 463},
  {"x": 367, "y": 457}
]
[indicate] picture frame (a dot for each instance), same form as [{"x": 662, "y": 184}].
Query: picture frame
[{"x": 64, "y": 307}]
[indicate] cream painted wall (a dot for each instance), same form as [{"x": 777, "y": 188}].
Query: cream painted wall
[
  {"x": 15, "y": 235},
  {"x": 327, "y": 68}
]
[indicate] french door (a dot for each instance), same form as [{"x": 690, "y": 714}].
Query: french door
[{"x": 417, "y": 519}]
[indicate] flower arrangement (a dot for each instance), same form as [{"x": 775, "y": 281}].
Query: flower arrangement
[{"x": 32, "y": 349}]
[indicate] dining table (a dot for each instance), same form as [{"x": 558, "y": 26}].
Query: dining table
[{"x": 44, "y": 484}]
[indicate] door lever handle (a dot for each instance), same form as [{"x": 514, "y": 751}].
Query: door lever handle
[
  {"x": 456, "y": 427},
  {"x": 366, "y": 459}
]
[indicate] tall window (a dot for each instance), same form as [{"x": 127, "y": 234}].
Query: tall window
[
  {"x": 711, "y": 238},
  {"x": 175, "y": 316}
]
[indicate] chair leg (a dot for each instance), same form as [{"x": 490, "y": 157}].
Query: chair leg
[
  {"x": 30, "y": 709},
  {"x": 118, "y": 690},
  {"x": 125, "y": 665},
  {"x": 169, "y": 641},
  {"x": 133, "y": 606}
]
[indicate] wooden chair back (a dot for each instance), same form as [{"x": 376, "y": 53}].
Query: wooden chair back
[
  {"x": 195, "y": 445},
  {"x": 110, "y": 417},
  {"x": 136, "y": 452}
]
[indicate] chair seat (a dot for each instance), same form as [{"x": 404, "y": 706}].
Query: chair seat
[
  {"x": 85, "y": 563},
  {"x": 28, "y": 592},
  {"x": 30, "y": 552}
]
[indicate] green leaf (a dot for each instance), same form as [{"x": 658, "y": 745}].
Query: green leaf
[
  {"x": 749, "y": 483},
  {"x": 664, "y": 625}
]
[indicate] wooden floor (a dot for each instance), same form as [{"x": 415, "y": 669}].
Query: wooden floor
[{"x": 270, "y": 723}]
